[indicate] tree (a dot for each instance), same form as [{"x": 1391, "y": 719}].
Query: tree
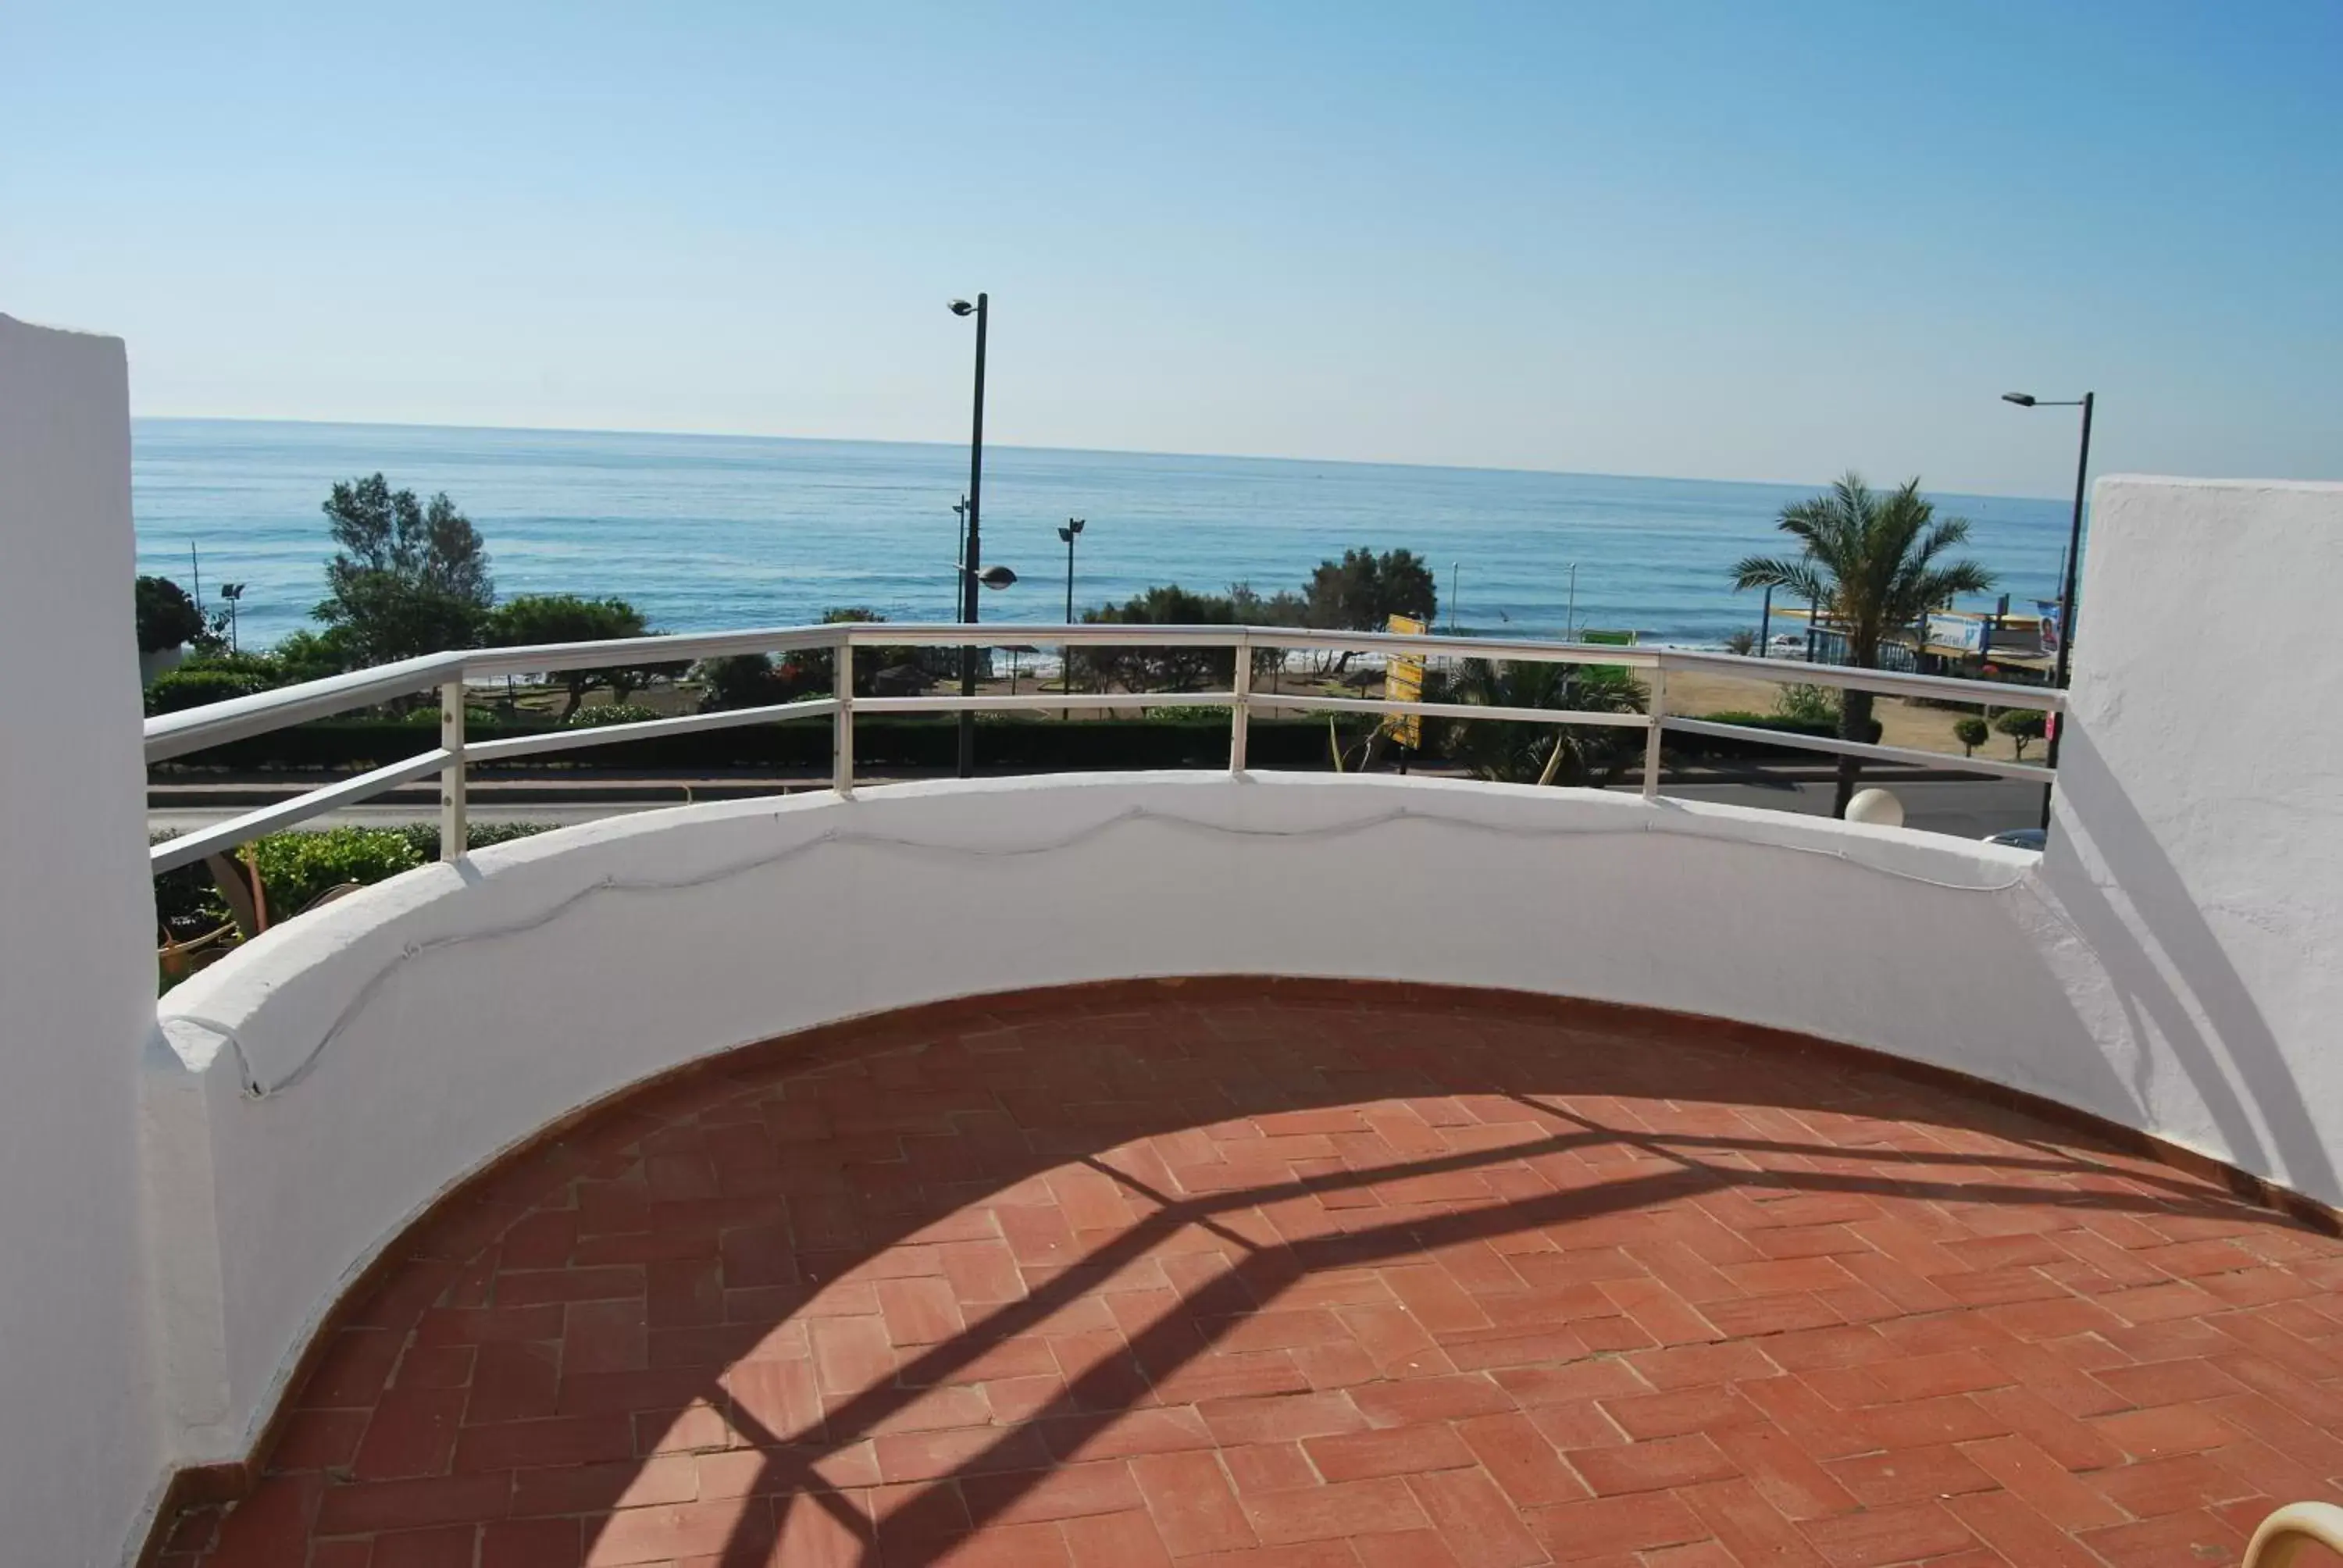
[
  {"x": 1364, "y": 590},
  {"x": 1873, "y": 562},
  {"x": 1518, "y": 752},
  {"x": 1161, "y": 668},
  {"x": 406, "y": 579},
  {"x": 565, "y": 618},
  {"x": 1741, "y": 641},
  {"x": 167, "y": 618},
  {"x": 1283, "y": 607},
  {"x": 1971, "y": 733},
  {"x": 2021, "y": 725},
  {"x": 306, "y": 655}
]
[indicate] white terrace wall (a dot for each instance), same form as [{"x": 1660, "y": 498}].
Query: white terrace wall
[
  {"x": 2197, "y": 860},
  {"x": 79, "y": 1444}
]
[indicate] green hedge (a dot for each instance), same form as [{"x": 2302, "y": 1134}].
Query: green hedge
[
  {"x": 1035, "y": 745},
  {"x": 1692, "y": 748}
]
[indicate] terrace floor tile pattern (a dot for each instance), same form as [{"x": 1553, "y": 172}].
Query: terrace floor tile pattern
[{"x": 1273, "y": 1275}]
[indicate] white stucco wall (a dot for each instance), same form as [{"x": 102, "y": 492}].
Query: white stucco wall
[
  {"x": 2199, "y": 850},
  {"x": 79, "y": 1451},
  {"x": 552, "y": 970}
]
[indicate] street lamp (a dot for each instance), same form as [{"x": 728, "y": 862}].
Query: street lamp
[
  {"x": 2074, "y": 565},
  {"x": 1071, "y": 532},
  {"x": 971, "y": 552}
]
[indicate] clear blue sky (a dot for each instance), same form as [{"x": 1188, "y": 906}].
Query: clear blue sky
[{"x": 1699, "y": 239}]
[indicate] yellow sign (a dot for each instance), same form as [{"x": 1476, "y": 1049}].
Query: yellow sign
[{"x": 1404, "y": 682}]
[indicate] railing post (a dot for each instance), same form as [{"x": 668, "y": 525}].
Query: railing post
[
  {"x": 453, "y": 832},
  {"x": 1240, "y": 710},
  {"x": 841, "y": 685},
  {"x": 1656, "y": 711}
]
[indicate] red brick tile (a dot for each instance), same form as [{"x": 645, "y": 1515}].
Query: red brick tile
[
  {"x": 2192, "y": 1535},
  {"x": 1752, "y": 1528},
  {"x": 1908, "y": 1475},
  {"x": 1783, "y": 1471},
  {"x": 1905, "y": 1533},
  {"x": 412, "y": 1433},
  {"x": 1660, "y": 1464},
  {"x": 1269, "y": 1467},
  {"x": 449, "y": 1546},
  {"x": 1194, "y": 1506},
  {"x": 1575, "y": 1532},
  {"x": 1409, "y": 1401},
  {"x": 2042, "y": 1483},
  {"x": 532, "y": 1543},
  {"x": 1115, "y": 1541},
  {"x": 2164, "y": 1429},
  {"x": 1475, "y": 1519},
  {"x": 1281, "y": 1417},
  {"x": 404, "y": 1504},
  {"x": 1406, "y": 1549},
  {"x": 1394, "y": 1450},
  {"x": 1334, "y": 1512},
  {"x": 1521, "y": 1460},
  {"x": 1064, "y": 1492}
]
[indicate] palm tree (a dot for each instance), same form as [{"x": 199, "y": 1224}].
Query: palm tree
[
  {"x": 1520, "y": 753},
  {"x": 1873, "y": 563}
]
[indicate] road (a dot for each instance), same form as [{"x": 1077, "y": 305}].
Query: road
[{"x": 1965, "y": 808}]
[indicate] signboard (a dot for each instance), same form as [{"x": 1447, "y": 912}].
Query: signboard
[
  {"x": 1965, "y": 633},
  {"x": 2051, "y": 630},
  {"x": 1404, "y": 682}
]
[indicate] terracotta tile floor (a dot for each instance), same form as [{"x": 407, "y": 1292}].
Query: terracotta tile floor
[{"x": 1249, "y": 1274}]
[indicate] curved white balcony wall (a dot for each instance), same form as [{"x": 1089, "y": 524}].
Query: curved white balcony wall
[{"x": 404, "y": 1037}]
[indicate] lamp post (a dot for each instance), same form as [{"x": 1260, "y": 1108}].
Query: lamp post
[
  {"x": 2086, "y": 402},
  {"x": 960, "y": 551},
  {"x": 971, "y": 551},
  {"x": 1069, "y": 533}
]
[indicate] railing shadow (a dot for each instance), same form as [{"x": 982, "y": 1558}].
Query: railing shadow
[{"x": 1571, "y": 1084}]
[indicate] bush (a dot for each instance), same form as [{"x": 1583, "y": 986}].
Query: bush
[
  {"x": 611, "y": 713},
  {"x": 423, "y": 838},
  {"x": 903, "y": 742},
  {"x": 166, "y": 617},
  {"x": 1802, "y": 704},
  {"x": 2021, "y": 725},
  {"x": 1971, "y": 733},
  {"x": 179, "y": 689},
  {"x": 296, "y": 867},
  {"x": 1689, "y": 748}
]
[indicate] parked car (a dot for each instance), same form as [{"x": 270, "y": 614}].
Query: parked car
[{"x": 2032, "y": 839}]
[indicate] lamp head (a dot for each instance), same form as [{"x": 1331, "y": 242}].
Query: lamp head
[
  {"x": 996, "y": 577},
  {"x": 2023, "y": 399},
  {"x": 961, "y": 307}
]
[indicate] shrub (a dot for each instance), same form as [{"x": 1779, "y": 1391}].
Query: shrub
[
  {"x": 296, "y": 867},
  {"x": 2021, "y": 725},
  {"x": 1971, "y": 733},
  {"x": 179, "y": 689},
  {"x": 166, "y": 617},
  {"x": 1804, "y": 704},
  {"x": 611, "y": 713},
  {"x": 423, "y": 838}
]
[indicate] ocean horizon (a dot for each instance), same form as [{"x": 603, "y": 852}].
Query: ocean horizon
[{"x": 703, "y": 532}]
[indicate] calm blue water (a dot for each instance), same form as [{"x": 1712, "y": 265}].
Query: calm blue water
[{"x": 706, "y": 532}]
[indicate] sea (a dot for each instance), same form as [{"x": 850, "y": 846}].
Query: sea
[{"x": 715, "y": 532}]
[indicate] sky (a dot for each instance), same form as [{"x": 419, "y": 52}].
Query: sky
[{"x": 1701, "y": 240}]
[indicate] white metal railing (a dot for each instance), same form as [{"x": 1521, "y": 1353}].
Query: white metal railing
[{"x": 196, "y": 729}]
